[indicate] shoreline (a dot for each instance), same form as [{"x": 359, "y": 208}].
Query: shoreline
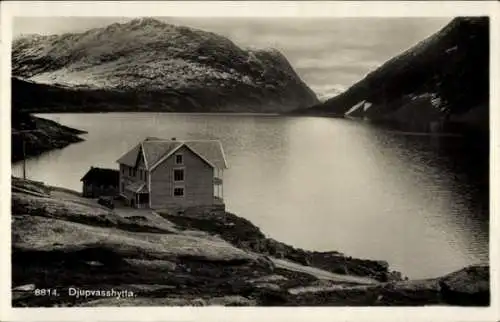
[
  {"x": 303, "y": 256},
  {"x": 42, "y": 135},
  {"x": 245, "y": 235},
  {"x": 202, "y": 255},
  {"x": 266, "y": 245}
]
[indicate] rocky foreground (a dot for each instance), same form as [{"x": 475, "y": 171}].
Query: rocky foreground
[{"x": 70, "y": 251}]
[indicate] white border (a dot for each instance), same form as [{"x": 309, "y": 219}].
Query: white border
[
  {"x": 244, "y": 9},
  {"x": 249, "y": 8}
]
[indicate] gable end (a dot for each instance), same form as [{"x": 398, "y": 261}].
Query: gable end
[{"x": 173, "y": 153}]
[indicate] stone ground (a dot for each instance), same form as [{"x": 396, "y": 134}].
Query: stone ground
[{"x": 60, "y": 240}]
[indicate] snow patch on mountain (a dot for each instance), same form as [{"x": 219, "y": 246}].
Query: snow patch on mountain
[
  {"x": 121, "y": 74},
  {"x": 362, "y": 105},
  {"x": 150, "y": 55},
  {"x": 434, "y": 98}
]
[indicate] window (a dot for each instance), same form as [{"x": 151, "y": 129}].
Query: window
[
  {"x": 178, "y": 192},
  {"x": 130, "y": 172},
  {"x": 178, "y": 174},
  {"x": 123, "y": 187},
  {"x": 178, "y": 159}
]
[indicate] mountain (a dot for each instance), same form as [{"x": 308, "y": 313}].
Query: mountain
[
  {"x": 149, "y": 65},
  {"x": 443, "y": 78}
]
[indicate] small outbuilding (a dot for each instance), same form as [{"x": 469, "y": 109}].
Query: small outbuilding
[{"x": 98, "y": 182}]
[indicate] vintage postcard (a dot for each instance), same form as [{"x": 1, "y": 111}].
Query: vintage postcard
[{"x": 249, "y": 160}]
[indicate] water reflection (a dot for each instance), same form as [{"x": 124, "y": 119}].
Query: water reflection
[
  {"x": 454, "y": 171},
  {"x": 419, "y": 202}
]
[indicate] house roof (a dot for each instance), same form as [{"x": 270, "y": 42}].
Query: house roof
[
  {"x": 154, "y": 150},
  {"x": 130, "y": 158},
  {"x": 210, "y": 150},
  {"x": 137, "y": 187},
  {"x": 102, "y": 176},
  {"x": 157, "y": 150}
]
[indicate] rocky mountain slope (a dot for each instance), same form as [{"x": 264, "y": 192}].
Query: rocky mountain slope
[
  {"x": 443, "y": 78},
  {"x": 149, "y": 65},
  {"x": 62, "y": 242}
]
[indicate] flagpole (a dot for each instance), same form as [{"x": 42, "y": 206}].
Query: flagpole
[
  {"x": 24, "y": 159},
  {"x": 24, "y": 147}
]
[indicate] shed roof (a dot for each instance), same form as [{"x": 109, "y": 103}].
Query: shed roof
[
  {"x": 157, "y": 150},
  {"x": 102, "y": 176}
]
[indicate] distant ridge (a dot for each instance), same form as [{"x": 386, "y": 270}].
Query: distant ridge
[
  {"x": 148, "y": 65},
  {"x": 443, "y": 78}
]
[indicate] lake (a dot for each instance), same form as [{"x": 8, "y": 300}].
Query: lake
[{"x": 415, "y": 201}]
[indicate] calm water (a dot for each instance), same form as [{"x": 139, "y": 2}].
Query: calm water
[{"x": 316, "y": 183}]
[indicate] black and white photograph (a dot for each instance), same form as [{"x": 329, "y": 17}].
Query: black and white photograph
[{"x": 180, "y": 161}]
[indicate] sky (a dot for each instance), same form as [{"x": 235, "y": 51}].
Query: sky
[{"x": 329, "y": 54}]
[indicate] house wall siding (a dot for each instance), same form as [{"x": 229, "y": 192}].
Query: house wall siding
[
  {"x": 127, "y": 178},
  {"x": 140, "y": 162},
  {"x": 198, "y": 182},
  {"x": 93, "y": 190},
  {"x": 87, "y": 190},
  {"x": 124, "y": 178}
]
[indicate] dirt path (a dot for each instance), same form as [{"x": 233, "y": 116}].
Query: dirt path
[{"x": 321, "y": 274}]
